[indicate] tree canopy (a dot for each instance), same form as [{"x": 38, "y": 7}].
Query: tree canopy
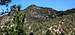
[{"x": 4, "y": 2}]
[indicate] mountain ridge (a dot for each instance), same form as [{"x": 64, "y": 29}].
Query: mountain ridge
[{"x": 38, "y": 21}]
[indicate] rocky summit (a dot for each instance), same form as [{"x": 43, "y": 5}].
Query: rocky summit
[{"x": 36, "y": 20}]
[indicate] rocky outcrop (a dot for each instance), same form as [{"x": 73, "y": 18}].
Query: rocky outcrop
[{"x": 38, "y": 12}]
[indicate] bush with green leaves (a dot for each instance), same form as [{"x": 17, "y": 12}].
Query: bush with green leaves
[
  {"x": 51, "y": 15},
  {"x": 19, "y": 21},
  {"x": 16, "y": 26}
]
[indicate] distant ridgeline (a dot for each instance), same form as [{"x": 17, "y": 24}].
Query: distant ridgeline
[{"x": 36, "y": 11}]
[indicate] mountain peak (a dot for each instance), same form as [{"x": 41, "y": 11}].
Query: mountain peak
[{"x": 32, "y": 5}]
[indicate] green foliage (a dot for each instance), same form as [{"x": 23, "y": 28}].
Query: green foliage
[
  {"x": 51, "y": 15},
  {"x": 19, "y": 21},
  {"x": 49, "y": 33},
  {"x": 16, "y": 26},
  {"x": 13, "y": 8},
  {"x": 4, "y": 2}
]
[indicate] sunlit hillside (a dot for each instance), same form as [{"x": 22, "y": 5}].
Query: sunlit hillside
[{"x": 35, "y": 20}]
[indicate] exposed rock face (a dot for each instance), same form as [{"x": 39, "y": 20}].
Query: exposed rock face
[{"x": 36, "y": 11}]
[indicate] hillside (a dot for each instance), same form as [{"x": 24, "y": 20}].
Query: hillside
[{"x": 35, "y": 20}]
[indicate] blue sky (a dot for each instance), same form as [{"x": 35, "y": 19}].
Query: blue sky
[{"x": 55, "y": 4}]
